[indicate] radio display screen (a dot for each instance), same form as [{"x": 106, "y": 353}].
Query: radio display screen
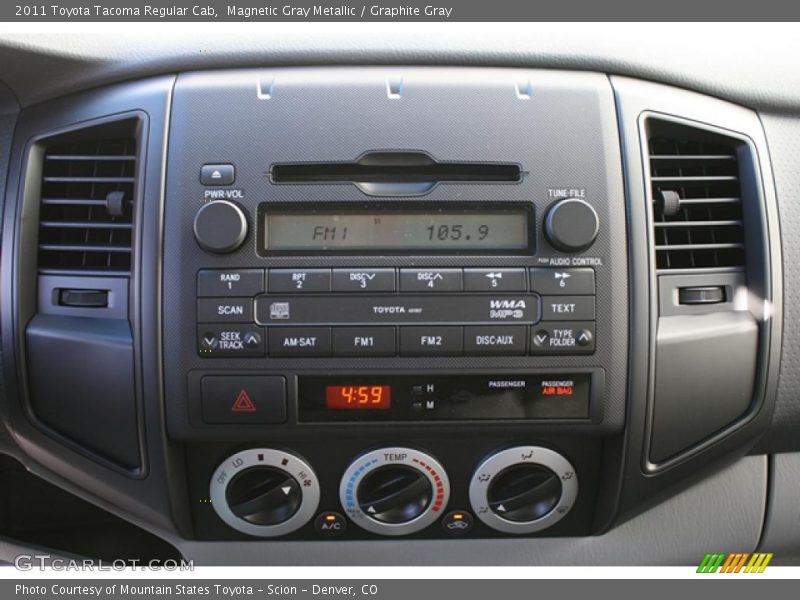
[{"x": 431, "y": 230}]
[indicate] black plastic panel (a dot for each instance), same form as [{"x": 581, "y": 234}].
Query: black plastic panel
[{"x": 80, "y": 373}]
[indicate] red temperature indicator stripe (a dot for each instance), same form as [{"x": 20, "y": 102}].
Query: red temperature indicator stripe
[{"x": 358, "y": 397}]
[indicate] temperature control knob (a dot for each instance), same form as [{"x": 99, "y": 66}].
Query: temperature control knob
[
  {"x": 523, "y": 489},
  {"x": 394, "y": 491},
  {"x": 264, "y": 492},
  {"x": 220, "y": 227},
  {"x": 571, "y": 225}
]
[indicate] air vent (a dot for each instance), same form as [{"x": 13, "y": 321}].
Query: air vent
[
  {"x": 697, "y": 206},
  {"x": 87, "y": 197}
]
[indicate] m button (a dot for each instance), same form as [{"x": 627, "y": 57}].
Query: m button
[{"x": 251, "y": 399}]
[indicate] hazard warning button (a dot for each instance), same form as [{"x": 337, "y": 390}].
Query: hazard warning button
[{"x": 245, "y": 399}]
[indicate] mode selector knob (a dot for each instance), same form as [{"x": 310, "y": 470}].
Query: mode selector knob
[
  {"x": 220, "y": 227},
  {"x": 571, "y": 225}
]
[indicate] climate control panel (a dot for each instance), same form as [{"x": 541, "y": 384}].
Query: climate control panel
[{"x": 394, "y": 491}]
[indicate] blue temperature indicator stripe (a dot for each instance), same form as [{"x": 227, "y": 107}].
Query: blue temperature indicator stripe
[{"x": 349, "y": 495}]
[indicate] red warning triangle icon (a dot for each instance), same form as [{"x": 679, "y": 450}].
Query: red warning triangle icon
[{"x": 243, "y": 404}]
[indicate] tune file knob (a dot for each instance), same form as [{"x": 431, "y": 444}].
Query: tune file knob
[{"x": 571, "y": 225}]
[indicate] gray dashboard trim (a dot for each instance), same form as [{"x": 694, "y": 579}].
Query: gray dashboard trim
[
  {"x": 750, "y": 63},
  {"x": 781, "y": 533},
  {"x": 724, "y": 512}
]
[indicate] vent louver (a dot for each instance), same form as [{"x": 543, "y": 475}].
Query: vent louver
[
  {"x": 86, "y": 208},
  {"x": 696, "y": 198}
]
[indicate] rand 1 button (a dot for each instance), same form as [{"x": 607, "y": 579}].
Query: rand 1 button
[
  {"x": 431, "y": 341},
  {"x": 299, "y": 341},
  {"x": 562, "y": 281},
  {"x": 363, "y": 280},
  {"x": 431, "y": 280},
  {"x": 568, "y": 308},
  {"x": 495, "y": 340},
  {"x": 243, "y": 399},
  {"x": 363, "y": 341},
  {"x": 225, "y": 310},
  {"x": 215, "y": 341},
  {"x": 494, "y": 280},
  {"x": 567, "y": 337},
  {"x": 299, "y": 280},
  {"x": 230, "y": 282}
]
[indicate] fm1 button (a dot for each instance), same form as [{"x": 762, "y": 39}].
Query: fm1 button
[
  {"x": 330, "y": 524},
  {"x": 457, "y": 522}
]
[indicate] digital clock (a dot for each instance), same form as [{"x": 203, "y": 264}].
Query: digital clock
[{"x": 358, "y": 397}]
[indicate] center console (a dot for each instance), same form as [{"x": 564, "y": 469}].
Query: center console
[{"x": 396, "y": 311}]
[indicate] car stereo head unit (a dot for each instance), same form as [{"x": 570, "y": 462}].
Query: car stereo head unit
[{"x": 389, "y": 293}]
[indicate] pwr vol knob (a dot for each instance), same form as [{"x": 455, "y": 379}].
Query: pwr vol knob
[
  {"x": 394, "y": 491},
  {"x": 265, "y": 492},
  {"x": 220, "y": 227}
]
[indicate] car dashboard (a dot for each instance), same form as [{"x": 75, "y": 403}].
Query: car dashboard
[{"x": 358, "y": 300}]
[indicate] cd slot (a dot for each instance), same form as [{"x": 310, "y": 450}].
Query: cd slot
[{"x": 395, "y": 172}]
